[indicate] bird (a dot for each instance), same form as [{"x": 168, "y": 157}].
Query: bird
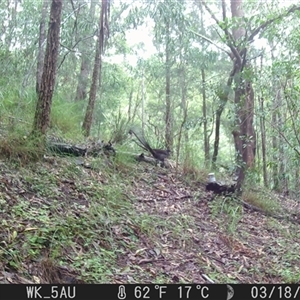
[{"x": 159, "y": 154}]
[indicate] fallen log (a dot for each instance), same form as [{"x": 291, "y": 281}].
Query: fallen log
[
  {"x": 63, "y": 148},
  {"x": 93, "y": 149},
  {"x": 219, "y": 187}
]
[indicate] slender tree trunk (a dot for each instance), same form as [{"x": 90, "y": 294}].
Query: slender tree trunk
[
  {"x": 87, "y": 124},
  {"x": 275, "y": 139},
  {"x": 143, "y": 101},
  {"x": 217, "y": 135},
  {"x": 283, "y": 182},
  {"x": 205, "y": 133},
  {"x": 103, "y": 26},
  {"x": 275, "y": 173},
  {"x": 244, "y": 135},
  {"x": 43, "y": 107},
  {"x": 81, "y": 91},
  {"x": 223, "y": 96},
  {"x": 204, "y": 110},
  {"x": 263, "y": 141},
  {"x": 129, "y": 111},
  {"x": 168, "y": 119},
  {"x": 184, "y": 107},
  {"x": 85, "y": 67},
  {"x": 263, "y": 134},
  {"x": 41, "y": 52}
]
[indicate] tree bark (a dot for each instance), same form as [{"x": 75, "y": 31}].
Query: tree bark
[
  {"x": 41, "y": 52},
  {"x": 244, "y": 133},
  {"x": 217, "y": 135},
  {"x": 103, "y": 31},
  {"x": 85, "y": 67},
  {"x": 263, "y": 142},
  {"x": 223, "y": 96},
  {"x": 275, "y": 138},
  {"x": 81, "y": 91},
  {"x": 184, "y": 107},
  {"x": 168, "y": 119},
  {"x": 283, "y": 181},
  {"x": 43, "y": 107},
  {"x": 205, "y": 133},
  {"x": 88, "y": 119}
]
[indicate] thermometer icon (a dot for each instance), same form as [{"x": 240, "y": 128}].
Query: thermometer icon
[{"x": 121, "y": 294}]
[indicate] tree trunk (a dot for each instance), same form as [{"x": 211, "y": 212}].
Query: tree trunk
[
  {"x": 41, "y": 52},
  {"x": 275, "y": 138},
  {"x": 103, "y": 31},
  {"x": 236, "y": 7},
  {"x": 130, "y": 103},
  {"x": 143, "y": 94},
  {"x": 217, "y": 135},
  {"x": 275, "y": 173},
  {"x": 168, "y": 119},
  {"x": 88, "y": 119},
  {"x": 223, "y": 96},
  {"x": 81, "y": 91},
  {"x": 263, "y": 134},
  {"x": 43, "y": 107},
  {"x": 205, "y": 133},
  {"x": 263, "y": 142},
  {"x": 184, "y": 107},
  {"x": 283, "y": 181},
  {"x": 244, "y": 134},
  {"x": 85, "y": 67},
  {"x": 204, "y": 110}
]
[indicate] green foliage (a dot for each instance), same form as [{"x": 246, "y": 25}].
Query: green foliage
[
  {"x": 230, "y": 211},
  {"x": 66, "y": 118},
  {"x": 186, "y": 28},
  {"x": 17, "y": 107},
  {"x": 192, "y": 168},
  {"x": 262, "y": 201},
  {"x": 19, "y": 147}
]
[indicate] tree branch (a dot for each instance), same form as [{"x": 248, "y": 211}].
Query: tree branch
[
  {"x": 267, "y": 23},
  {"x": 284, "y": 137},
  {"x": 228, "y": 35},
  {"x": 71, "y": 49},
  {"x": 224, "y": 10},
  {"x": 210, "y": 41}
]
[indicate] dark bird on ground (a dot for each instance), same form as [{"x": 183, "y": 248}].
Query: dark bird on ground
[{"x": 159, "y": 154}]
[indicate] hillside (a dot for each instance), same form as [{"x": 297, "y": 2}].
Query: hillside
[{"x": 125, "y": 222}]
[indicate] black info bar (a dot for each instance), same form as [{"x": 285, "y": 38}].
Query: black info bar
[{"x": 150, "y": 291}]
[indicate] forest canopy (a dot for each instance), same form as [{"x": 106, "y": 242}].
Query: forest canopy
[{"x": 216, "y": 82}]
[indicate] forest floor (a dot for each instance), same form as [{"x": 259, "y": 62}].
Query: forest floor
[{"x": 128, "y": 222}]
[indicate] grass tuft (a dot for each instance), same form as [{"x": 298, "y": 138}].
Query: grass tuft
[{"x": 17, "y": 146}]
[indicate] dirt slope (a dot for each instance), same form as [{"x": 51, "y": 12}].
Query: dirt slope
[{"x": 122, "y": 222}]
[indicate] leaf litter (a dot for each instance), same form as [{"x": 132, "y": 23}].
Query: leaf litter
[{"x": 61, "y": 223}]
